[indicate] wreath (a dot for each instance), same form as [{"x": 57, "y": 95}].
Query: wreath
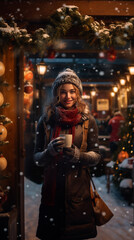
[{"x": 94, "y": 32}]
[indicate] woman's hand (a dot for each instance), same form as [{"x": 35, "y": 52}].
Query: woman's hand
[
  {"x": 55, "y": 146},
  {"x": 72, "y": 154}
]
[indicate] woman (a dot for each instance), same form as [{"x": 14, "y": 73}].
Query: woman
[{"x": 66, "y": 211}]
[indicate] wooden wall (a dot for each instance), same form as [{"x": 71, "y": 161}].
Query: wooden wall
[{"x": 14, "y": 151}]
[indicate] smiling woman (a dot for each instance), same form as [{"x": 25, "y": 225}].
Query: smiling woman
[
  {"x": 66, "y": 210},
  {"x": 67, "y": 96}
]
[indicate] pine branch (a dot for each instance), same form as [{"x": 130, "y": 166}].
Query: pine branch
[
  {"x": 3, "y": 83},
  {"x": 3, "y": 143},
  {"x": 5, "y": 105}
]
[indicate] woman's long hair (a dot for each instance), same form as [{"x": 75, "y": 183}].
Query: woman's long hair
[{"x": 80, "y": 104}]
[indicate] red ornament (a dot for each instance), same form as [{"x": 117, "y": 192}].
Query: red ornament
[
  {"x": 111, "y": 54},
  {"x": 28, "y": 88},
  {"x": 51, "y": 53}
]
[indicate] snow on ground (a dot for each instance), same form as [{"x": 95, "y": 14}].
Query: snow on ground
[{"x": 118, "y": 228}]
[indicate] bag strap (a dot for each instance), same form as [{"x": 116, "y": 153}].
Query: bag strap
[
  {"x": 92, "y": 183},
  {"x": 83, "y": 147},
  {"x": 93, "y": 191}
]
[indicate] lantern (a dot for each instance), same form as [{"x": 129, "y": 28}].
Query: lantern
[
  {"x": 41, "y": 68},
  {"x": 122, "y": 155}
]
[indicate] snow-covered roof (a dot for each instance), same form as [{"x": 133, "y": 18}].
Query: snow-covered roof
[
  {"x": 125, "y": 163},
  {"x": 126, "y": 183},
  {"x": 110, "y": 164}
]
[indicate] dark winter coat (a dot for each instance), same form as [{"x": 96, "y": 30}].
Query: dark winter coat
[{"x": 72, "y": 216}]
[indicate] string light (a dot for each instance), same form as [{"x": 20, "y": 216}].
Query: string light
[
  {"x": 131, "y": 70},
  {"x": 112, "y": 94},
  {"x": 122, "y": 81},
  {"x": 115, "y": 89}
]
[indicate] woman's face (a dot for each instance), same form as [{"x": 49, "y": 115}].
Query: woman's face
[{"x": 67, "y": 95}]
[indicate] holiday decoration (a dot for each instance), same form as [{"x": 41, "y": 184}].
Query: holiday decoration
[
  {"x": 51, "y": 53},
  {"x": 111, "y": 54},
  {"x": 95, "y": 33},
  {"x": 5, "y": 119},
  {"x": 28, "y": 88},
  {"x": 122, "y": 155},
  {"x": 28, "y": 100},
  {"x": 3, "y": 132},
  {"x": 126, "y": 164},
  {"x": 1, "y": 99},
  {"x": 2, "y": 69},
  {"x": 3, "y": 163},
  {"x": 126, "y": 183},
  {"x": 28, "y": 75}
]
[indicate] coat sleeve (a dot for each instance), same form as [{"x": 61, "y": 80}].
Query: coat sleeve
[
  {"x": 41, "y": 156},
  {"x": 92, "y": 156}
]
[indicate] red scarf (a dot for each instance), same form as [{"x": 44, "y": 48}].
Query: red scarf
[{"x": 64, "y": 118}]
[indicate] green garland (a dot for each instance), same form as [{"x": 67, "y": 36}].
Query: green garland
[{"x": 95, "y": 33}]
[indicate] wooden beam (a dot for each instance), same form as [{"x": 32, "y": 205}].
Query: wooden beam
[{"x": 39, "y": 10}]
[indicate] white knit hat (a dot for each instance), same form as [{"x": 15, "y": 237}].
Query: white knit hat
[{"x": 67, "y": 76}]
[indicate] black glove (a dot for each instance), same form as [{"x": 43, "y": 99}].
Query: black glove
[
  {"x": 55, "y": 146},
  {"x": 72, "y": 154}
]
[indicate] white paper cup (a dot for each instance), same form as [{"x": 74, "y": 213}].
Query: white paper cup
[{"x": 68, "y": 140}]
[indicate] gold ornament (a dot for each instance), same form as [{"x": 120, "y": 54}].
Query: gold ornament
[
  {"x": 3, "y": 163},
  {"x": 2, "y": 69},
  {"x": 122, "y": 155},
  {"x": 1, "y": 99},
  {"x": 3, "y": 132}
]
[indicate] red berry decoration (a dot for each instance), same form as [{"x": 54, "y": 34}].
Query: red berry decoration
[
  {"x": 111, "y": 54},
  {"x": 51, "y": 53}
]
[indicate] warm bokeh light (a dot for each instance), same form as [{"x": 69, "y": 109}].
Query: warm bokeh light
[
  {"x": 112, "y": 94},
  {"x": 122, "y": 81},
  {"x": 131, "y": 70},
  {"x": 115, "y": 89},
  {"x": 93, "y": 93}
]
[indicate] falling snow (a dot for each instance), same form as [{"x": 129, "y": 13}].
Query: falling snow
[{"x": 119, "y": 226}]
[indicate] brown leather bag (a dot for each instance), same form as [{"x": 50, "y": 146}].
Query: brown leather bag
[{"x": 102, "y": 212}]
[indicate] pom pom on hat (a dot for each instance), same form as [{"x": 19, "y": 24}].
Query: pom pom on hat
[{"x": 67, "y": 76}]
